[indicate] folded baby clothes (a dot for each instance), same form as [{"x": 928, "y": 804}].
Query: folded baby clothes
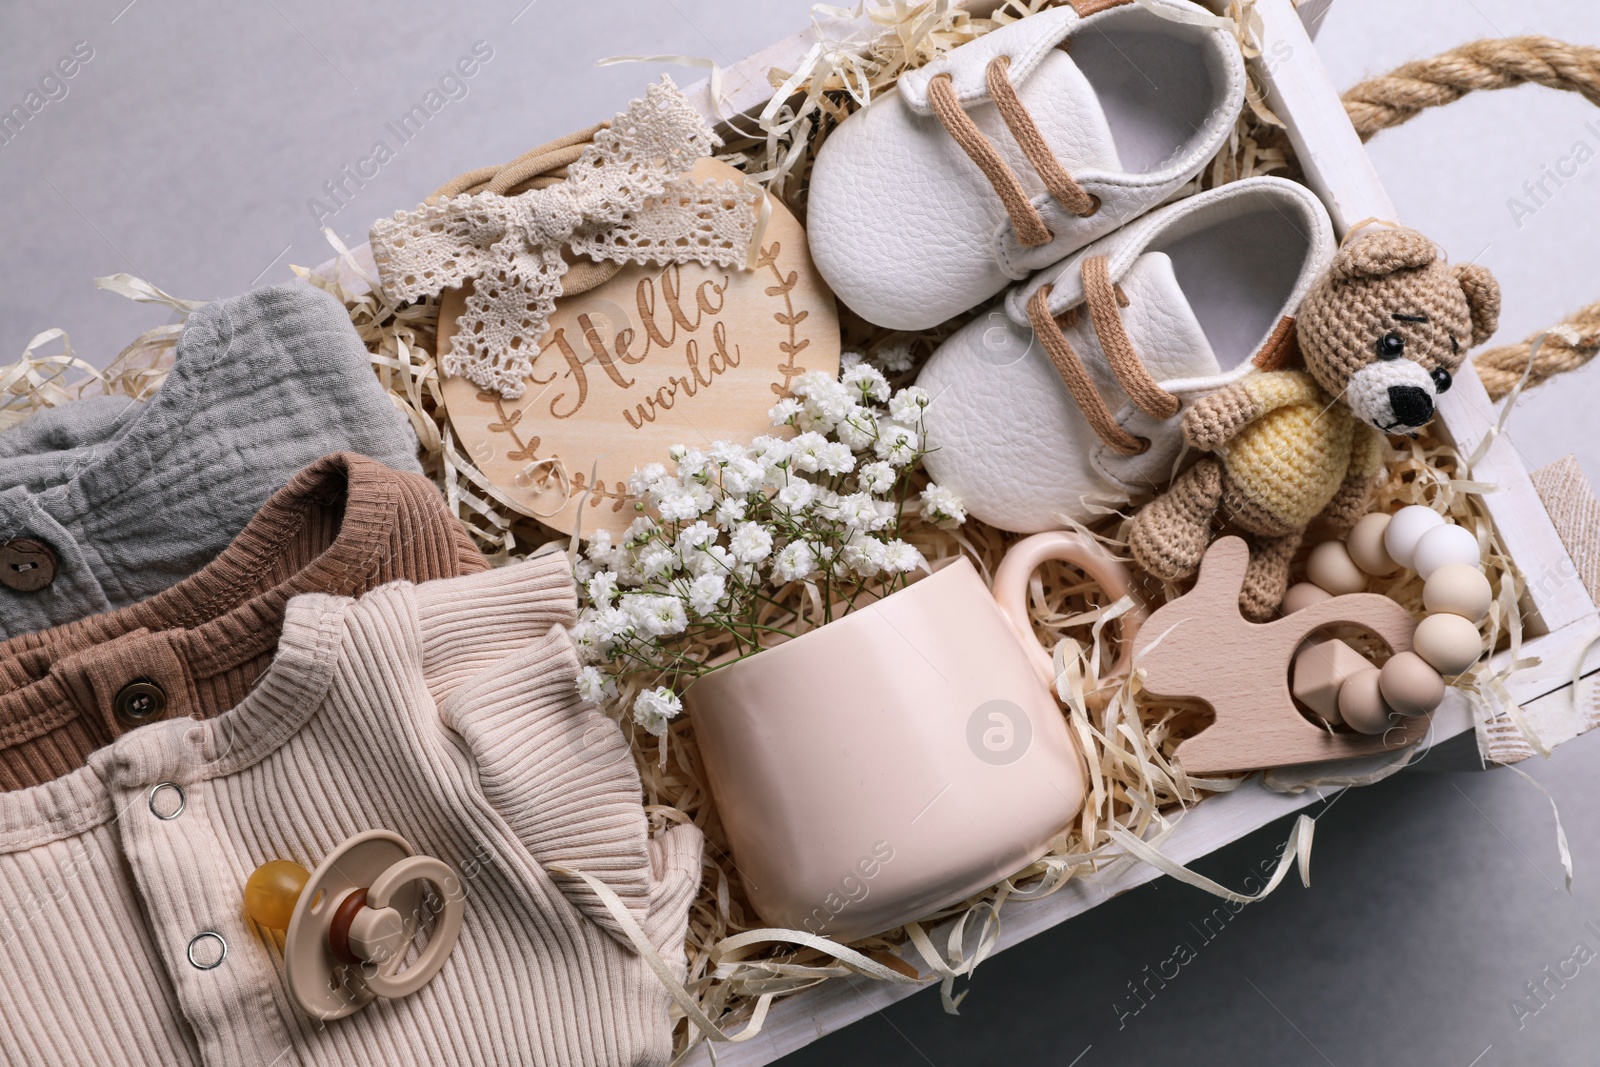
[
  {"x": 104, "y": 502},
  {"x": 445, "y": 713},
  {"x": 344, "y": 525}
]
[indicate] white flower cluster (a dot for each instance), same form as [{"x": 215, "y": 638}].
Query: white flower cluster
[{"x": 734, "y": 523}]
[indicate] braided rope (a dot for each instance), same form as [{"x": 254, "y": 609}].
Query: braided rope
[{"x": 1389, "y": 100}]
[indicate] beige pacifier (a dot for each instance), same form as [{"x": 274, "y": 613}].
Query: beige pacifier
[{"x": 348, "y": 923}]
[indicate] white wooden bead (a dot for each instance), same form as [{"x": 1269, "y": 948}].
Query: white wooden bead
[
  {"x": 1366, "y": 545},
  {"x": 1331, "y": 567},
  {"x": 1449, "y": 643},
  {"x": 1457, "y": 589},
  {"x": 1406, "y": 528},
  {"x": 1441, "y": 546}
]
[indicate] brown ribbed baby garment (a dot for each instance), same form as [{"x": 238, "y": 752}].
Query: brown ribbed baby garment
[{"x": 344, "y": 525}]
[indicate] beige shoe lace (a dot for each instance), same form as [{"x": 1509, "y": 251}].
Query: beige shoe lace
[
  {"x": 1025, "y": 218},
  {"x": 1104, "y": 300}
]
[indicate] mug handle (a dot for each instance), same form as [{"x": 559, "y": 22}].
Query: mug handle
[{"x": 1011, "y": 592}]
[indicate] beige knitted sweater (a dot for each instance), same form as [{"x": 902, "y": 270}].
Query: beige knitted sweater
[{"x": 444, "y": 712}]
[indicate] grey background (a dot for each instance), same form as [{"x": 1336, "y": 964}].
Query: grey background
[{"x": 187, "y": 150}]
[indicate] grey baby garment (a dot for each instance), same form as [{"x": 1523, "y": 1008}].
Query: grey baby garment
[{"x": 106, "y": 501}]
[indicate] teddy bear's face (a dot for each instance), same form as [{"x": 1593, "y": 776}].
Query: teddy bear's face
[{"x": 1387, "y": 328}]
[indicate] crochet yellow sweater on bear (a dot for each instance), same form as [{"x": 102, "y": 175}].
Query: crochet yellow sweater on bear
[{"x": 1295, "y": 456}]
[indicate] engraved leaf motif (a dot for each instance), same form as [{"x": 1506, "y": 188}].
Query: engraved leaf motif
[{"x": 508, "y": 421}]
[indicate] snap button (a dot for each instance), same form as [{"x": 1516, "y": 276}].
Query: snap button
[
  {"x": 207, "y": 950},
  {"x": 27, "y": 564},
  {"x": 167, "y": 800},
  {"x": 139, "y": 702}
]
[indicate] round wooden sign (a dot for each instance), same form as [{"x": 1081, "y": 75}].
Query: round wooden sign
[{"x": 654, "y": 357}]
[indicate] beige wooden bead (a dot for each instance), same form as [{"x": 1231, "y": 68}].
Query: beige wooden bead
[
  {"x": 1449, "y": 643},
  {"x": 1319, "y": 670},
  {"x": 1366, "y": 545},
  {"x": 1361, "y": 703},
  {"x": 1409, "y": 685},
  {"x": 1331, "y": 567},
  {"x": 1303, "y": 595},
  {"x": 1457, "y": 589}
]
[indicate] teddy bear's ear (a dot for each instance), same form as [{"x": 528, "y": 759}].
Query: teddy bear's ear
[
  {"x": 1483, "y": 298},
  {"x": 1379, "y": 252}
]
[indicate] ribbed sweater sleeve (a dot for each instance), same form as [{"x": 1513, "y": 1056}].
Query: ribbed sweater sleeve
[{"x": 555, "y": 768}]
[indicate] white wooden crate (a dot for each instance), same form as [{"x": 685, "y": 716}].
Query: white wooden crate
[{"x": 1562, "y": 622}]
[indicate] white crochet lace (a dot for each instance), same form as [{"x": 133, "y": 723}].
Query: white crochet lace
[{"x": 626, "y": 200}]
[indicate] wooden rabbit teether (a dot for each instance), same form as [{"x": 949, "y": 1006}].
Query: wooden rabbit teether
[{"x": 1200, "y": 648}]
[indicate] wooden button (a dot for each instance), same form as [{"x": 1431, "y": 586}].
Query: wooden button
[
  {"x": 139, "y": 702},
  {"x": 27, "y": 565}
]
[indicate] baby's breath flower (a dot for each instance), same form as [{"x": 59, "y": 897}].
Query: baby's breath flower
[
  {"x": 859, "y": 431},
  {"x": 706, "y": 593},
  {"x": 730, "y": 510},
  {"x": 908, "y": 404},
  {"x": 797, "y": 494},
  {"x": 595, "y": 687},
  {"x": 827, "y": 401},
  {"x": 602, "y": 587},
  {"x": 942, "y": 507},
  {"x": 679, "y": 504},
  {"x": 858, "y": 511},
  {"x": 639, "y": 530},
  {"x": 657, "y": 562},
  {"x": 894, "y": 356},
  {"x": 877, "y": 477},
  {"x": 866, "y": 383},
  {"x": 604, "y": 627},
  {"x": 692, "y": 464},
  {"x": 786, "y": 411},
  {"x": 806, "y": 448},
  {"x": 751, "y": 543},
  {"x": 836, "y": 458},
  {"x": 712, "y": 559},
  {"x": 897, "y": 444},
  {"x": 864, "y": 555},
  {"x": 656, "y": 615},
  {"x": 654, "y": 708},
  {"x": 692, "y": 538},
  {"x": 601, "y": 550},
  {"x": 771, "y": 452},
  {"x": 899, "y": 557},
  {"x": 643, "y": 480},
  {"x": 795, "y": 561},
  {"x": 742, "y": 476}
]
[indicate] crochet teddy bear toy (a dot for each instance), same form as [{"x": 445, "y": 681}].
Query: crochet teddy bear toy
[{"x": 1380, "y": 334}]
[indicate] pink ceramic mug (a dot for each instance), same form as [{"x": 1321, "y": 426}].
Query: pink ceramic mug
[{"x": 903, "y": 757}]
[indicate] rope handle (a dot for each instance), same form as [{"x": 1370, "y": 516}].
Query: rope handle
[{"x": 1494, "y": 63}]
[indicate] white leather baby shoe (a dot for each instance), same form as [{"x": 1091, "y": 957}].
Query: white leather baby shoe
[
  {"x": 999, "y": 158},
  {"x": 1068, "y": 397}
]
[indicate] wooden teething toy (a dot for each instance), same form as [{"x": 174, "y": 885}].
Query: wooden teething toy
[
  {"x": 1337, "y": 682},
  {"x": 1200, "y": 648},
  {"x": 349, "y": 922}
]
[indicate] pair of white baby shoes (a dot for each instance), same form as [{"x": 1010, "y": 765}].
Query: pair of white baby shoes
[{"x": 1035, "y": 155}]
